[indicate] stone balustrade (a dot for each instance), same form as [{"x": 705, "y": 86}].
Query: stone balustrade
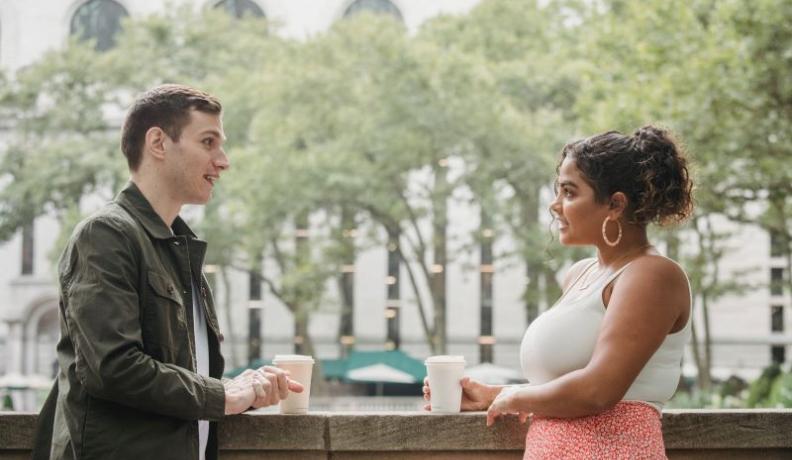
[{"x": 689, "y": 434}]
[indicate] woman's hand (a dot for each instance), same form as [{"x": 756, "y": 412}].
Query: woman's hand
[
  {"x": 475, "y": 395},
  {"x": 506, "y": 404}
]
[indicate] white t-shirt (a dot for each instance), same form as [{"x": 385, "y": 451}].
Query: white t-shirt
[
  {"x": 202, "y": 362},
  {"x": 562, "y": 340}
]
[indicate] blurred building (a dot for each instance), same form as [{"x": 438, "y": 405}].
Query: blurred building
[{"x": 487, "y": 314}]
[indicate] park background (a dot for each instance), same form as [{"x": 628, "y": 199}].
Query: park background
[{"x": 392, "y": 163}]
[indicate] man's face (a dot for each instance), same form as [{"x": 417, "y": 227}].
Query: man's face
[{"x": 194, "y": 163}]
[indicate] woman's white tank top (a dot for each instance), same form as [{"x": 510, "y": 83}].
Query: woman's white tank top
[{"x": 562, "y": 340}]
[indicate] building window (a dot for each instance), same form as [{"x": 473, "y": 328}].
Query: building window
[
  {"x": 776, "y": 281},
  {"x": 778, "y": 354},
  {"x": 27, "y": 249},
  {"x": 47, "y": 332},
  {"x": 777, "y": 243},
  {"x": 241, "y": 8},
  {"x": 374, "y": 6},
  {"x": 777, "y": 318},
  {"x": 98, "y": 20},
  {"x": 486, "y": 273},
  {"x": 254, "y": 313},
  {"x": 392, "y": 305}
]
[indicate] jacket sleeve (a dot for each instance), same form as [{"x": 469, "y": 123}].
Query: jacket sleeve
[{"x": 100, "y": 273}]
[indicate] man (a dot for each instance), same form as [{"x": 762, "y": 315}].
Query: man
[{"x": 139, "y": 353}]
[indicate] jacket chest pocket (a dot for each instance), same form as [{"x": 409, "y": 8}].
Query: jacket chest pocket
[{"x": 164, "y": 322}]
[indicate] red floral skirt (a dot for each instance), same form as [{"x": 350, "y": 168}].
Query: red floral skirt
[{"x": 630, "y": 430}]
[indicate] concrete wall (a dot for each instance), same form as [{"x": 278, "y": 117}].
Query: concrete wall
[{"x": 748, "y": 434}]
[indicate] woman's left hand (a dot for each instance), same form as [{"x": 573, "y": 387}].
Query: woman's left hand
[{"x": 504, "y": 404}]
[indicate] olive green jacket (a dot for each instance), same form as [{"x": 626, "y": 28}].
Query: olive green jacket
[{"x": 127, "y": 387}]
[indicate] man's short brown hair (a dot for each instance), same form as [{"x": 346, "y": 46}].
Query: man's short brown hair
[{"x": 167, "y": 107}]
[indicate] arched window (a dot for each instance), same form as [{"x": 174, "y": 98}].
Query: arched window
[
  {"x": 98, "y": 20},
  {"x": 240, "y": 8},
  {"x": 374, "y": 6},
  {"x": 47, "y": 332}
]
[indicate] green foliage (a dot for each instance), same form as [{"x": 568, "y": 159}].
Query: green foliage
[
  {"x": 759, "y": 390},
  {"x": 364, "y": 118},
  {"x": 781, "y": 393}
]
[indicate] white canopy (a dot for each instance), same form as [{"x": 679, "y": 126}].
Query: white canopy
[
  {"x": 494, "y": 375},
  {"x": 379, "y": 373},
  {"x": 17, "y": 381}
]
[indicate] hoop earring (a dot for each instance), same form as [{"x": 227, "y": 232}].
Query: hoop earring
[{"x": 605, "y": 235}]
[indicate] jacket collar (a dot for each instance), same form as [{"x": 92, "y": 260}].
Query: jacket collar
[{"x": 132, "y": 199}]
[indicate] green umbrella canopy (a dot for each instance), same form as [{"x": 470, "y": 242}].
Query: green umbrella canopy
[
  {"x": 339, "y": 368},
  {"x": 395, "y": 359},
  {"x": 253, "y": 365}
]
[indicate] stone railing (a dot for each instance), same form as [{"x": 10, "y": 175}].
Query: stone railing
[{"x": 729, "y": 434}]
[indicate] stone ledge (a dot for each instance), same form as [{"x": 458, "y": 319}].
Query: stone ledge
[
  {"x": 687, "y": 432},
  {"x": 728, "y": 429}
]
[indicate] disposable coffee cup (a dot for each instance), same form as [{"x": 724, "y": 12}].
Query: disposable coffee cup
[
  {"x": 300, "y": 368},
  {"x": 445, "y": 372}
]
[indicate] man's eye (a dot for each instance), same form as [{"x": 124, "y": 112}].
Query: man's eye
[{"x": 207, "y": 142}]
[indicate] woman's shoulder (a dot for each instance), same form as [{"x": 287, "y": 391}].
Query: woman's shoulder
[
  {"x": 576, "y": 270},
  {"x": 656, "y": 270},
  {"x": 657, "y": 265}
]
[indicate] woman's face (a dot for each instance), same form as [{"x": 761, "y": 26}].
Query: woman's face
[{"x": 579, "y": 215}]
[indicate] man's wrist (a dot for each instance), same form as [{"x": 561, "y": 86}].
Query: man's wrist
[{"x": 215, "y": 395}]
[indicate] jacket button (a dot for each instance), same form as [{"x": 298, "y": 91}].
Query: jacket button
[
  {"x": 220, "y": 337},
  {"x": 170, "y": 289},
  {"x": 176, "y": 242}
]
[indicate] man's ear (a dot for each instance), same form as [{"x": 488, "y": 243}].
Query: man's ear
[
  {"x": 155, "y": 142},
  {"x": 618, "y": 205}
]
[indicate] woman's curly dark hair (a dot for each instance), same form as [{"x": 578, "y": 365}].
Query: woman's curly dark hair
[{"x": 649, "y": 167}]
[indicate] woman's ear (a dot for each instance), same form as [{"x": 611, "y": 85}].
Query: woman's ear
[{"x": 618, "y": 205}]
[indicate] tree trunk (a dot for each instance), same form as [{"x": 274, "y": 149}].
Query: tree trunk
[
  {"x": 529, "y": 210},
  {"x": 704, "y": 381},
  {"x": 393, "y": 302},
  {"x": 301, "y": 252},
  {"x": 346, "y": 283},
  {"x": 707, "y": 340},
  {"x": 303, "y": 345},
  {"x": 552, "y": 290},
  {"x": 254, "y": 309},
  {"x": 439, "y": 267},
  {"x": 234, "y": 353},
  {"x": 486, "y": 274}
]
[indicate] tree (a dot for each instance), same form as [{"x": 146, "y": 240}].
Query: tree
[
  {"x": 511, "y": 67},
  {"x": 689, "y": 65}
]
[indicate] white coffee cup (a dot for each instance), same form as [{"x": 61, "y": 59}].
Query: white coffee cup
[
  {"x": 445, "y": 372},
  {"x": 300, "y": 368}
]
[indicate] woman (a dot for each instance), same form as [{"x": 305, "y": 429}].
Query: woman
[{"x": 601, "y": 362}]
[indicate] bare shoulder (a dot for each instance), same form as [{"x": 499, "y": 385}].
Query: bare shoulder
[
  {"x": 656, "y": 268},
  {"x": 655, "y": 279}
]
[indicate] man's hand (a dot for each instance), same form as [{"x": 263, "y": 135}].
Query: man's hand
[
  {"x": 239, "y": 393},
  {"x": 475, "y": 395},
  {"x": 257, "y": 388}
]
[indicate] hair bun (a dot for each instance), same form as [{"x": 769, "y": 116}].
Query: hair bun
[
  {"x": 649, "y": 166},
  {"x": 656, "y": 145}
]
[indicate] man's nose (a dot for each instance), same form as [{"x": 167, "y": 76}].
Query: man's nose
[{"x": 221, "y": 162}]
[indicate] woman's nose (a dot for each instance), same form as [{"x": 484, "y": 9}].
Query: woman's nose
[{"x": 555, "y": 206}]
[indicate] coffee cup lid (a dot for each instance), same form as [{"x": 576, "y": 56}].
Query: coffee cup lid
[
  {"x": 445, "y": 359},
  {"x": 292, "y": 359}
]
